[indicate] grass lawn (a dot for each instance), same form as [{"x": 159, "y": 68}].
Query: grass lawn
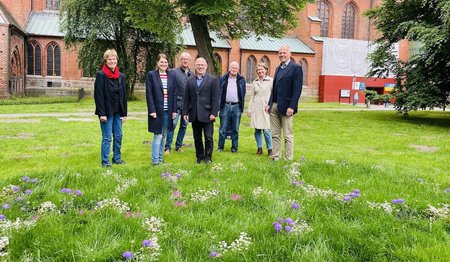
[{"x": 335, "y": 199}]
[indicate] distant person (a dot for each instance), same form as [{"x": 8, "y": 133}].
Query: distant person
[
  {"x": 200, "y": 107},
  {"x": 355, "y": 98},
  {"x": 110, "y": 95},
  {"x": 232, "y": 98},
  {"x": 259, "y": 98},
  {"x": 182, "y": 74},
  {"x": 283, "y": 103},
  {"x": 160, "y": 87}
]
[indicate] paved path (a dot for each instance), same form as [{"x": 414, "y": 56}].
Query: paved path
[{"x": 91, "y": 114}]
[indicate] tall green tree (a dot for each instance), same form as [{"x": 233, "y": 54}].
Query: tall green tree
[
  {"x": 93, "y": 26},
  {"x": 232, "y": 19},
  {"x": 423, "y": 80}
]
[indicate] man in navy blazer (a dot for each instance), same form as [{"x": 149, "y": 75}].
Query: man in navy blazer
[
  {"x": 200, "y": 107},
  {"x": 283, "y": 103}
]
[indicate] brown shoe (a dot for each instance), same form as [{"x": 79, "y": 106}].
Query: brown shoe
[
  {"x": 259, "y": 152},
  {"x": 269, "y": 152}
]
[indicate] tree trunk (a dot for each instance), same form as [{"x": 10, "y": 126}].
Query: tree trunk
[{"x": 203, "y": 41}]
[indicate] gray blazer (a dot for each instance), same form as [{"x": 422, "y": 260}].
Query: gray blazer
[{"x": 199, "y": 105}]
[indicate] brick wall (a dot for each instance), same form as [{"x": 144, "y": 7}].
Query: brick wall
[
  {"x": 4, "y": 60},
  {"x": 20, "y": 9}
]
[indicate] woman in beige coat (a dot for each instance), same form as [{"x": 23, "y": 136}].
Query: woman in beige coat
[{"x": 259, "y": 118}]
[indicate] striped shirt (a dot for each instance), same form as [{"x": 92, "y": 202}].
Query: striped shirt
[{"x": 165, "y": 90}]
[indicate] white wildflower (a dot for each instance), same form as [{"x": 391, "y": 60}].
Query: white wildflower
[
  {"x": 217, "y": 168},
  {"x": 386, "y": 207},
  {"x": 300, "y": 227},
  {"x": 6, "y": 225},
  {"x": 261, "y": 191},
  {"x": 436, "y": 213},
  {"x": 238, "y": 245},
  {"x": 114, "y": 203},
  {"x": 239, "y": 166},
  {"x": 330, "y": 162},
  {"x": 153, "y": 224},
  {"x": 203, "y": 195},
  {"x": 46, "y": 207},
  {"x": 125, "y": 184}
]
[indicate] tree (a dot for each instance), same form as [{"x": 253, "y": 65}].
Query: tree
[
  {"x": 232, "y": 19},
  {"x": 93, "y": 26},
  {"x": 422, "y": 81}
]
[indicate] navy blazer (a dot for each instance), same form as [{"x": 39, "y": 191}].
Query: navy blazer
[
  {"x": 200, "y": 105},
  {"x": 289, "y": 83},
  {"x": 104, "y": 95},
  {"x": 155, "y": 99}
]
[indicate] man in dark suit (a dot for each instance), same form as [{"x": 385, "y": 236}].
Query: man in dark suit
[
  {"x": 200, "y": 107},
  {"x": 283, "y": 103}
]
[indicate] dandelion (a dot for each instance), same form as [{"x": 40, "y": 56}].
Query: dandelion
[
  {"x": 236, "y": 197},
  {"x": 147, "y": 243},
  {"x": 214, "y": 254},
  {"x": 398, "y": 201},
  {"x": 277, "y": 226},
  {"x": 28, "y": 192},
  {"x": 5, "y": 206},
  {"x": 127, "y": 255},
  {"x": 295, "y": 205}
]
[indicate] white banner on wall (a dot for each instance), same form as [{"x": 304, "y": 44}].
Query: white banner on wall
[{"x": 347, "y": 57}]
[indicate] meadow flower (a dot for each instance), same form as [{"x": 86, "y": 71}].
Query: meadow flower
[
  {"x": 447, "y": 190},
  {"x": 295, "y": 205},
  {"x": 203, "y": 195},
  {"x": 46, "y": 207},
  {"x": 2, "y": 217},
  {"x": 34, "y": 180},
  {"x": 5, "y": 206},
  {"x": 127, "y": 255},
  {"x": 214, "y": 254},
  {"x": 25, "y": 178},
  {"x": 19, "y": 199},
  {"x": 303, "y": 158},
  {"x": 15, "y": 188},
  {"x": 66, "y": 191},
  {"x": 353, "y": 195},
  {"x": 178, "y": 175},
  {"x": 78, "y": 192},
  {"x": 28, "y": 192},
  {"x": 153, "y": 224},
  {"x": 356, "y": 191},
  {"x": 288, "y": 228},
  {"x": 277, "y": 226},
  {"x": 420, "y": 180},
  {"x": 180, "y": 204},
  {"x": 176, "y": 194},
  {"x": 346, "y": 198},
  {"x": 386, "y": 207},
  {"x": 259, "y": 191},
  {"x": 236, "y": 197},
  {"x": 398, "y": 201},
  {"x": 280, "y": 219},
  {"x": 289, "y": 221},
  {"x": 147, "y": 243}
]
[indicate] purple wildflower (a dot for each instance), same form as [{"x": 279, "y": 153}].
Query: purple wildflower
[
  {"x": 447, "y": 190},
  {"x": 2, "y": 217},
  {"x": 420, "y": 180},
  {"x": 277, "y": 226},
  {"x": 295, "y": 205},
  {"x": 398, "y": 201},
  {"x": 34, "y": 180},
  {"x": 353, "y": 195},
  {"x": 78, "y": 192},
  {"x": 28, "y": 192},
  {"x": 176, "y": 194},
  {"x": 214, "y": 254},
  {"x": 289, "y": 221},
  {"x": 346, "y": 199},
  {"x": 236, "y": 197},
  {"x": 165, "y": 174},
  {"x": 66, "y": 190},
  {"x": 178, "y": 175},
  {"x": 15, "y": 188},
  {"x": 294, "y": 183},
  {"x": 147, "y": 243},
  {"x": 356, "y": 191},
  {"x": 301, "y": 182},
  {"x": 180, "y": 204},
  {"x": 26, "y": 178},
  {"x": 5, "y": 206},
  {"x": 127, "y": 255},
  {"x": 288, "y": 228},
  {"x": 281, "y": 220},
  {"x": 19, "y": 199},
  {"x": 303, "y": 158}
]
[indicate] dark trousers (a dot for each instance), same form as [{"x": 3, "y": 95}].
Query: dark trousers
[{"x": 203, "y": 152}]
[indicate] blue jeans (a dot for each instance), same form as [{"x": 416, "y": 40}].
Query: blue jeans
[
  {"x": 181, "y": 132},
  {"x": 158, "y": 144},
  {"x": 229, "y": 114},
  {"x": 267, "y": 137},
  {"x": 113, "y": 126}
]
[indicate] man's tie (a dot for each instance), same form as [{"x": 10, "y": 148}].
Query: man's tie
[{"x": 283, "y": 65}]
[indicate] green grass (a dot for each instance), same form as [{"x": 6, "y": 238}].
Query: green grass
[{"x": 382, "y": 154}]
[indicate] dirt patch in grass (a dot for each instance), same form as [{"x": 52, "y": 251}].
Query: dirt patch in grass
[
  {"x": 18, "y": 136},
  {"x": 76, "y": 119},
  {"x": 84, "y": 145},
  {"x": 20, "y": 120},
  {"x": 423, "y": 148},
  {"x": 39, "y": 148},
  {"x": 21, "y": 157}
]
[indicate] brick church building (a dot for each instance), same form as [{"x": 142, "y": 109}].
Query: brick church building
[{"x": 331, "y": 43}]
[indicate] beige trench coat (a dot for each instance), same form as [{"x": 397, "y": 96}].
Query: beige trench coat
[{"x": 259, "y": 98}]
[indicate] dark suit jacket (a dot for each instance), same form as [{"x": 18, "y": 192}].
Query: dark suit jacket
[
  {"x": 199, "y": 106},
  {"x": 104, "y": 95},
  {"x": 289, "y": 83},
  {"x": 155, "y": 99}
]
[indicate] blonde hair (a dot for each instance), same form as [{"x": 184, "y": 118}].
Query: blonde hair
[
  {"x": 110, "y": 52},
  {"x": 262, "y": 65}
]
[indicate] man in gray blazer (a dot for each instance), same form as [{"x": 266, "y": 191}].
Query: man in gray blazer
[
  {"x": 283, "y": 103},
  {"x": 200, "y": 107}
]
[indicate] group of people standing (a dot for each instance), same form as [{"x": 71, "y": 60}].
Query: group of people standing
[{"x": 180, "y": 95}]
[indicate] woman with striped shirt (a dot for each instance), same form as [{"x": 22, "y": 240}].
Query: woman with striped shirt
[{"x": 161, "y": 105}]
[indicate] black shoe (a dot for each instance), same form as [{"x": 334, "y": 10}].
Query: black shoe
[
  {"x": 208, "y": 161},
  {"x": 155, "y": 164},
  {"x": 199, "y": 160},
  {"x": 233, "y": 150},
  {"x": 106, "y": 165},
  {"x": 178, "y": 149},
  {"x": 120, "y": 162}
]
